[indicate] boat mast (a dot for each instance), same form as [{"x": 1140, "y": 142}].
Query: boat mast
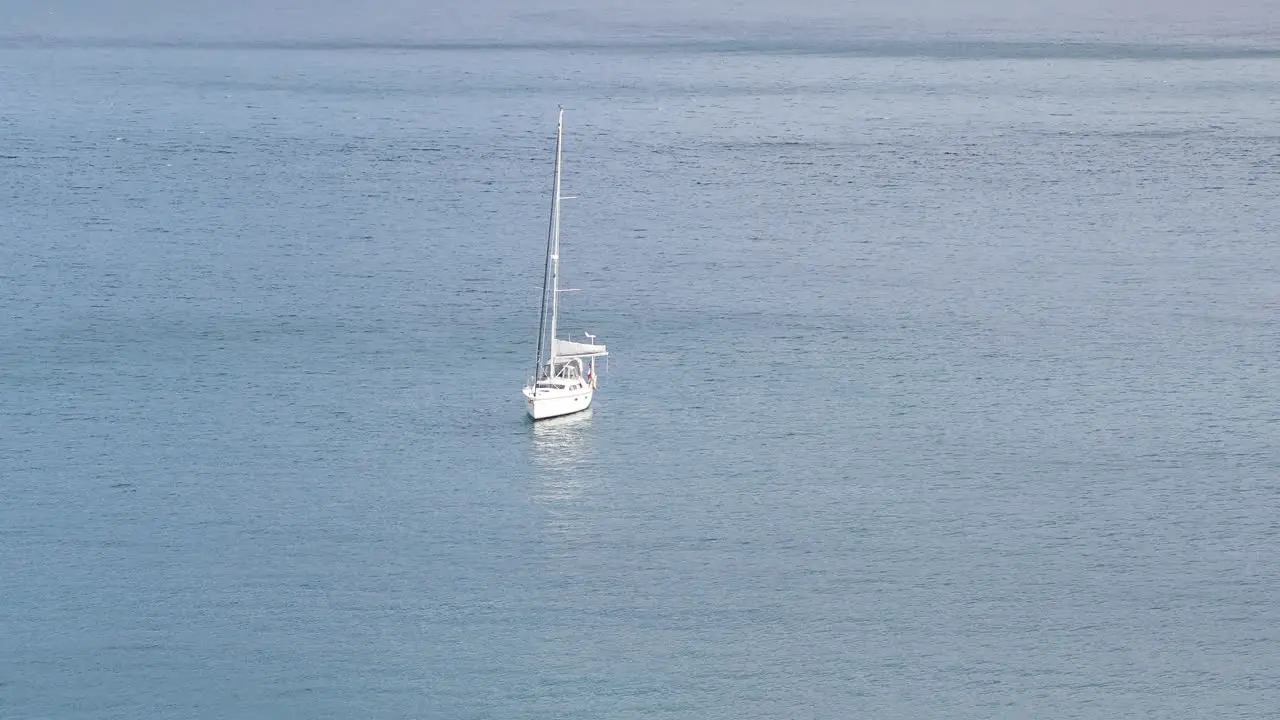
[
  {"x": 553, "y": 251},
  {"x": 555, "y": 238}
]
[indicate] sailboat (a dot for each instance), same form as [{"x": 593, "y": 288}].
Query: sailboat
[{"x": 560, "y": 384}]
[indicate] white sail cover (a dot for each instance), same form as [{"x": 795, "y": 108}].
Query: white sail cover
[{"x": 569, "y": 348}]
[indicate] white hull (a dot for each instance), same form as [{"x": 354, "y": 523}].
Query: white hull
[{"x": 554, "y": 404}]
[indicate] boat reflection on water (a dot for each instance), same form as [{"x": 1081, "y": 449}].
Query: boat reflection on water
[{"x": 561, "y": 449}]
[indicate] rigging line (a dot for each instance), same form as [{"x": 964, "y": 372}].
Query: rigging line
[{"x": 546, "y": 272}]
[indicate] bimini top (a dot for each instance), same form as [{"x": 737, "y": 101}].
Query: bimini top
[{"x": 569, "y": 348}]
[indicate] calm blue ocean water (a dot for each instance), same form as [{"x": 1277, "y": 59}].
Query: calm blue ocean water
[{"x": 942, "y": 378}]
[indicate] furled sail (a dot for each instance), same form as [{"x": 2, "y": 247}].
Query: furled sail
[{"x": 569, "y": 348}]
